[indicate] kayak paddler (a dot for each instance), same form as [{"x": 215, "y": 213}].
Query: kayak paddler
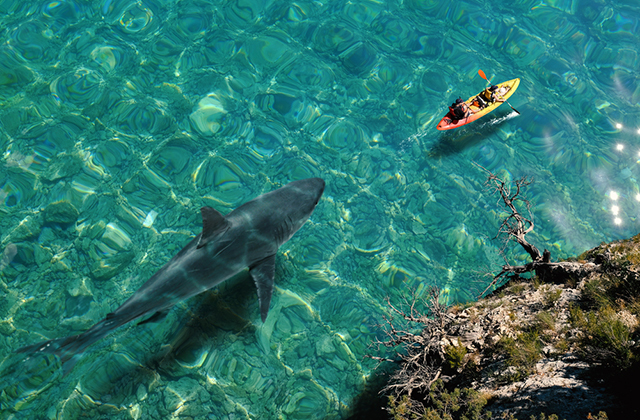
[
  {"x": 489, "y": 96},
  {"x": 459, "y": 109}
]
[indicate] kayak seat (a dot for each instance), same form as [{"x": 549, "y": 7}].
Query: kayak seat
[{"x": 482, "y": 103}]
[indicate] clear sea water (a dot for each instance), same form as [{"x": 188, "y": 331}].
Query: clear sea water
[{"x": 119, "y": 119}]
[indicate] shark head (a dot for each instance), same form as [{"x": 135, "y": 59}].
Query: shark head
[
  {"x": 296, "y": 201},
  {"x": 277, "y": 215}
]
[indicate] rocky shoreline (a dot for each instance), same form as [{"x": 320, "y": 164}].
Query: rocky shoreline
[
  {"x": 564, "y": 349},
  {"x": 557, "y": 383}
]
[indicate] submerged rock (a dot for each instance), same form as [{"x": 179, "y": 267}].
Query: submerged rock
[
  {"x": 62, "y": 212},
  {"x": 109, "y": 267},
  {"x": 28, "y": 228}
]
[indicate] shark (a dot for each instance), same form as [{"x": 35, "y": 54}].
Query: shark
[{"x": 248, "y": 237}]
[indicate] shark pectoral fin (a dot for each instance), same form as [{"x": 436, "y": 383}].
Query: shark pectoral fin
[
  {"x": 157, "y": 317},
  {"x": 213, "y": 224},
  {"x": 262, "y": 274}
]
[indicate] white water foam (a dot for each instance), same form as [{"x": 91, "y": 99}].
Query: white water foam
[{"x": 501, "y": 119}]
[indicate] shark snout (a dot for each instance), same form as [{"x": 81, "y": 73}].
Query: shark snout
[
  {"x": 311, "y": 189},
  {"x": 317, "y": 185}
]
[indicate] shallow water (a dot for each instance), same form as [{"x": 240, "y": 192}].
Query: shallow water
[{"x": 120, "y": 119}]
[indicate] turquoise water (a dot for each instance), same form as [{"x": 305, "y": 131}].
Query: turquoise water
[{"x": 120, "y": 119}]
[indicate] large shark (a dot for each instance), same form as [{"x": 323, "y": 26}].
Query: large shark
[{"x": 249, "y": 237}]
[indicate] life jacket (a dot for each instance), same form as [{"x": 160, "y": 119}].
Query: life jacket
[
  {"x": 456, "y": 111},
  {"x": 486, "y": 95}
]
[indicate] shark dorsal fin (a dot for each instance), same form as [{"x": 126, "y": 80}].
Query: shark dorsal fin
[
  {"x": 262, "y": 274},
  {"x": 213, "y": 224}
]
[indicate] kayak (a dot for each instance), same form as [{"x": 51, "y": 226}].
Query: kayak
[{"x": 504, "y": 91}]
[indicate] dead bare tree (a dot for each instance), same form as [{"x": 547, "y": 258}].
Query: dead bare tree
[
  {"x": 516, "y": 226},
  {"x": 420, "y": 365}
]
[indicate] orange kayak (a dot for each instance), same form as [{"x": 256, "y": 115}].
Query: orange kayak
[{"x": 505, "y": 90}]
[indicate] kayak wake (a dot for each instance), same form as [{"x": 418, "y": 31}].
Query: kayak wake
[{"x": 501, "y": 119}]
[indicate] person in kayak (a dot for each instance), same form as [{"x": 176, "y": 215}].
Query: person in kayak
[
  {"x": 459, "y": 109},
  {"x": 488, "y": 96}
]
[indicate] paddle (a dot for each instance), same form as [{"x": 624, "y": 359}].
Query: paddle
[{"x": 484, "y": 76}]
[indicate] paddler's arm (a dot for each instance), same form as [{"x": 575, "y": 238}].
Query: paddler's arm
[{"x": 467, "y": 110}]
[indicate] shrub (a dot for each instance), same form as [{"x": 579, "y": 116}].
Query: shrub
[
  {"x": 522, "y": 353},
  {"x": 606, "y": 338},
  {"x": 455, "y": 356},
  {"x": 545, "y": 321},
  {"x": 551, "y": 296},
  {"x": 441, "y": 404},
  {"x": 459, "y": 404},
  {"x": 400, "y": 408},
  {"x": 517, "y": 288},
  {"x": 595, "y": 292}
]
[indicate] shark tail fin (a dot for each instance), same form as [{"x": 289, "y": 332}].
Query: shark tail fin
[
  {"x": 66, "y": 349},
  {"x": 70, "y": 349}
]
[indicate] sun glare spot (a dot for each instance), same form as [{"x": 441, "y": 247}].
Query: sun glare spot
[
  {"x": 619, "y": 146},
  {"x": 614, "y": 195},
  {"x": 637, "y": 197},
  {"x": 618, "y": 125},
  {"x": 617, "y": 221},
  {"x": 615, "y": 210}
]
